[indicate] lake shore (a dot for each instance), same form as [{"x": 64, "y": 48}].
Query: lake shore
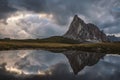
[{"x": 91, "y": 47}]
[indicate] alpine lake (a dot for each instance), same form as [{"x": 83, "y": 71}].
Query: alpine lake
[{"x": 58, "y": 65}]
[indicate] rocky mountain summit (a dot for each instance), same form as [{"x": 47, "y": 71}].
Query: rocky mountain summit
[{"x": 83, "y": 32}]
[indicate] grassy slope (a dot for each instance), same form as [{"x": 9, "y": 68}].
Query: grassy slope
[{"x": 59, "y": 43}]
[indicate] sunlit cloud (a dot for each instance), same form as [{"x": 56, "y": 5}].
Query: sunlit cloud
[
  {"x": 30, "y": 26},
  {"x": 43, "y": 15}
]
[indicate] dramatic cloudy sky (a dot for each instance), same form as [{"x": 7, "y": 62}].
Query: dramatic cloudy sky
[{"x": 44, "y": 18}]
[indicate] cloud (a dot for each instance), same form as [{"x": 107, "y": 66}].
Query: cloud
[
  {"x": 104, "y": 13},
  {"x": 30, "y": 26},
  {"x": 5, "y": 10},
  {"x": 30, "y": 5}
]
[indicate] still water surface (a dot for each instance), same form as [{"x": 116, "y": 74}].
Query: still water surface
[{"x": 66, "y": 65}]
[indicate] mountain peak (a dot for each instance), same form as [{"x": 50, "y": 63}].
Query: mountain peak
[
  {"x": 76, "y": 18},
  {"x": 83, "y": 32}
]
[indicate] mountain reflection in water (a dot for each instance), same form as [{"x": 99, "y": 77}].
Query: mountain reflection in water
[
  {"x": 78, "y": 59},
  {"x": 68, "y": 65}
]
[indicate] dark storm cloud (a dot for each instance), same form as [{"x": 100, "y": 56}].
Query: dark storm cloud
[
  {"x": 8, "y": 7},
  {"x": 30, "y": 5},
  {"x": 62, "y": 9},
  {"x": 112, "y": 27},
  {"x": 5, "y": 9},
  {"x": 35, "y": 5}
]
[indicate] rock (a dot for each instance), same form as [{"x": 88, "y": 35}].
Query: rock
[{"x": 83, "y": 32}]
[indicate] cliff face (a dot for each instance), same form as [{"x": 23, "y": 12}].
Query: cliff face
[{"x": 81, "y": 31}]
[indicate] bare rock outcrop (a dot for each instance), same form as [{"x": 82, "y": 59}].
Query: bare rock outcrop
[{"x": 83, "y": 32}]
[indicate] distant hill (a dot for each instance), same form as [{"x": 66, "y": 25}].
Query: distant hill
[{"x": 113, "y": 38}]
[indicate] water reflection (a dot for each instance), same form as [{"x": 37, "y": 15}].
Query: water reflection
[
  {"x": 46, "y": 65},
  {"x": 78, "y": 59},
  {"x": 31, "y": 62}
]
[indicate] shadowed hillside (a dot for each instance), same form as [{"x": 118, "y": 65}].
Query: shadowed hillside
[{"x": 54, "y": 39}]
